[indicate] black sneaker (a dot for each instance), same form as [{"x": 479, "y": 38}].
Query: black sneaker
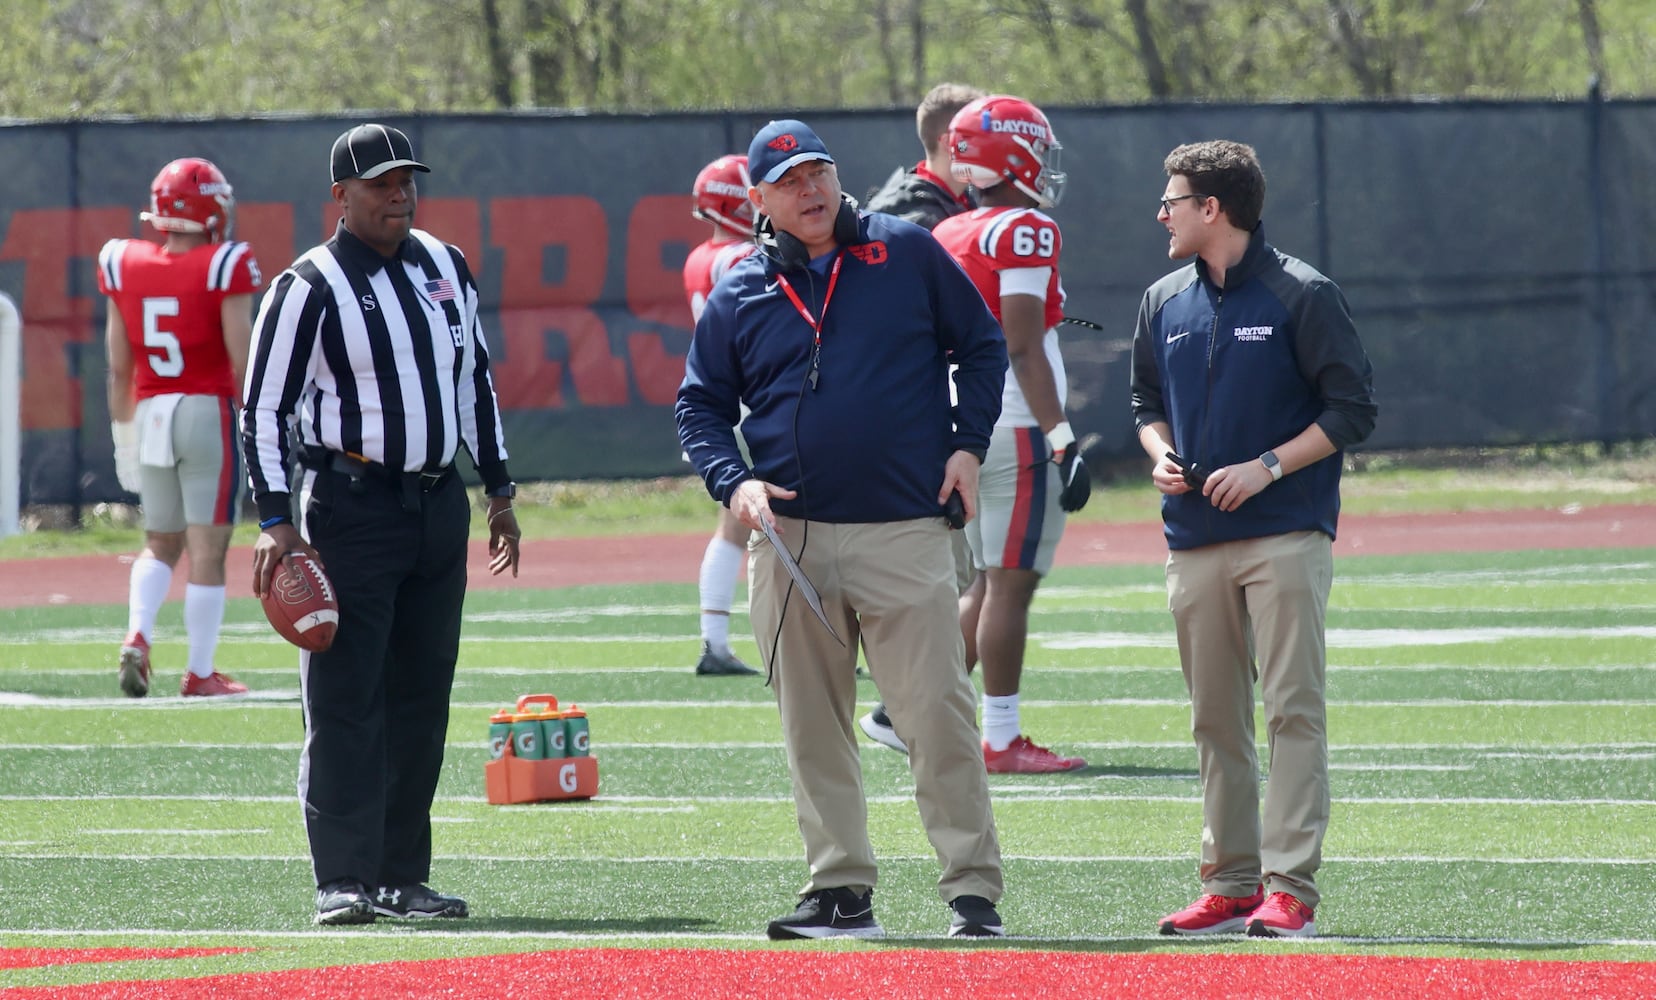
[
  {"x": 829, "y": 913},
  {"x": 343, "y": 901},
  {"x": 416, "y": 902},
  {"x": 877, "y": 724},
  {"x": 974, "y": 916},
  {"x": 714, "y": 664}
]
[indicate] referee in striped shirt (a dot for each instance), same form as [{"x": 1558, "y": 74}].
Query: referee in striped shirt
[{"x": 371, "y": 344}]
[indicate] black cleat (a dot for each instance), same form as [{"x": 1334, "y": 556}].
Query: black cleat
[
  {"x": 714, "y": 664},
  {"x": 416, "y": 902},
  {"x": 828, "y": 913},
  {"x": 974, "y": 916},
  {"x": 343, "y": 901}
]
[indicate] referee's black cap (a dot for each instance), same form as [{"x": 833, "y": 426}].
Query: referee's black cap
[{"x": 367, "y": 151}]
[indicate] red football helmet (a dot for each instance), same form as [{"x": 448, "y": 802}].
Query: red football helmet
[
  {"x": 1002, "y": 138},
  {"x": 191, "y": 196},
  {"x": 722, "y": 195}
]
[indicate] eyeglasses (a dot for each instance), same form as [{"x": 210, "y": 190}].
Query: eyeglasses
[{"x": 1167, "y": 203}]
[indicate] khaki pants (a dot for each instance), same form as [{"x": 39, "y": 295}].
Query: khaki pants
[
  {"x": 1248, "y": 610},
  {"x": 893, "y": 586}
]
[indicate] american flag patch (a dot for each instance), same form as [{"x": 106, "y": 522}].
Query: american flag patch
[{"x": 440, "y": 290}]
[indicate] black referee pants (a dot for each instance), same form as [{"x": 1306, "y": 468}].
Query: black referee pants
[{"x": 376, "y": 704}]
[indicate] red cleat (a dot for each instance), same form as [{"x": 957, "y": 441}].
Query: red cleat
[
  {"x": 1283, "y": 915},
  {"x": 212, "y": 686},
  {"x": 1214, "y": 914},
  {"x": 135, "y": 665},
  {"x": 1023, "y": 757}
]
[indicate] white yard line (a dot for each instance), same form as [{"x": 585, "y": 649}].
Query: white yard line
[
  {"x": 1627, "y": 752},
  {"x": 474, "y": 674},
  {"x": 792, "y": 856},
  {"x": 287, "y": 700},
  {"x": 597, "y": 938},
  {"x": 1007, "y": 793}
]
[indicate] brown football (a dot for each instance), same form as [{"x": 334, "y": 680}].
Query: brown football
[{"x": 301, "y": 604}]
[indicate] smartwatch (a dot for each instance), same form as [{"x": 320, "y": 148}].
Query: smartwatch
[
  {"x": 506, "y": 492},
  {"x": 1272, "y": 465}
]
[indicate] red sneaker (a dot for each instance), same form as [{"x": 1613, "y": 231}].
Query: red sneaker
[
  {"x": 1023, "y": 757},
  {"x": 1213, "y": 914},
  {"x": 210, "y": 687},
  {"x": 1283, "y": 915},
  {"x": 135, "y": 667}
]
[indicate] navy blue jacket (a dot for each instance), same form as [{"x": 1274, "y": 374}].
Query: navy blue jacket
[
  {"x": 1238, "y": 370},
  {"x": 868, "y": 442}
]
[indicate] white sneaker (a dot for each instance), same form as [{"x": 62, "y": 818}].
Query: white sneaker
[{"x": 877, "y": 724}]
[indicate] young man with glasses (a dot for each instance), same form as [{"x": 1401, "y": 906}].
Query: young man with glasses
[{"x": 1248, "y": 382}]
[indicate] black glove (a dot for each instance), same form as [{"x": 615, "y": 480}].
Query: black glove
[{"x": 1074, "y": 483}]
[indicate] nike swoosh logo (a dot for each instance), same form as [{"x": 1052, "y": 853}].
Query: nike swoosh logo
[
  {"x": 771, "y": 287},
  {"x": 1177, "y": 336},
  {"x": 840, "y": 914}
]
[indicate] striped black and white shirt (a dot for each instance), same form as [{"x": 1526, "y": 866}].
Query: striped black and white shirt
[{"x": 380, "y": 359}]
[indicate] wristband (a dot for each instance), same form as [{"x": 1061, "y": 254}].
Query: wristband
[
  {"x": 271, "y": 522},
  {"x": 1060, "y": 438}
]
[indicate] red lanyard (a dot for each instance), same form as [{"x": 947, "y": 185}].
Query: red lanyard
[{"x": 816, "y": 324}]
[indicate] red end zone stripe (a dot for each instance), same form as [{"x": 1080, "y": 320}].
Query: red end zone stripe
[
  {"x": 34, "y": 958},
  {"x": 909, "y": 974}
]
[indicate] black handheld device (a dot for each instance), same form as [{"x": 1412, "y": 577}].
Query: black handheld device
[
  {"x": 954, "y": 510},
  {"x": 1194, "y": 474}
]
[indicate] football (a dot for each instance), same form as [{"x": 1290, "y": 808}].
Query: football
[{"x": 301, "y": 604}]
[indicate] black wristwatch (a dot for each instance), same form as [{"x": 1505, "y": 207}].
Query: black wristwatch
[{"x": 506, "y": 492}]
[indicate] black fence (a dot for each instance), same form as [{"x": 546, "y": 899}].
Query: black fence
[{"x": 1500, "y": 258}]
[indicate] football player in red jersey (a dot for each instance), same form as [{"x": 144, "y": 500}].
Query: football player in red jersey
[
  {"x": 1004, "y": 148},
  {"x": 179, "y": 320},
  {"x": 721, "y": 193}
]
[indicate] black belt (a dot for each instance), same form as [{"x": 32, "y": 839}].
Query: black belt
[{"x": 424, "y": 480}]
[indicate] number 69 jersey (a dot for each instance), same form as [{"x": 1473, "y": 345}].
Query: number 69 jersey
[
  {"x": 1022, "y": 244},
  {"x": 171, "y": 305}
]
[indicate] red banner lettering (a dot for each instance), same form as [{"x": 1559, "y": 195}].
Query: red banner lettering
[{"x": 532, "y": 311}]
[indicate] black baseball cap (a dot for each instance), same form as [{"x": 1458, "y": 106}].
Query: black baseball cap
[{"x": 367, "y": 151}]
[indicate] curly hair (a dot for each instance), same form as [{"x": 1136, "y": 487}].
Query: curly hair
[{"x": 1228, "y": 171}]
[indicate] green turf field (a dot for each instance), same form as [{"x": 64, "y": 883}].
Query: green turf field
[{"x": 1493, "y": 720}]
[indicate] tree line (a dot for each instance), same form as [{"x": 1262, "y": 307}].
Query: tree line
[{"x": 165, "y": 58}]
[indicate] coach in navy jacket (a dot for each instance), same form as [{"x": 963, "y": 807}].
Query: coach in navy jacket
[
  {"x": 839, "y": 336},
  {"x": 861, "y": 427},
  {"x": 1247, "y": 367}
]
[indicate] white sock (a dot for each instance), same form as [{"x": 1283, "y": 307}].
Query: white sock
[
  {"x": 715, "y": 631},
  {"x": 721, "y": 564},
  {"x": 1000, "y": 720},
  {"x": 148, "y": 591},
  {"x": 203, "y": 614}
]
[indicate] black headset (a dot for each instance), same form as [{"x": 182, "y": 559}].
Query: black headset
[{"x": 786, "y": 250}]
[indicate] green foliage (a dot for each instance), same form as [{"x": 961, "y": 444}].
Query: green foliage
[{"x": 81, "y": 58}]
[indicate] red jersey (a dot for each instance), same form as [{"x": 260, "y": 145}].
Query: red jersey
[
  {"x": 172, "y": 306},
  {"x": 986, "y": 241},
  {"x": 706, "y": 264},
  {"x": 989, "y": 241}
]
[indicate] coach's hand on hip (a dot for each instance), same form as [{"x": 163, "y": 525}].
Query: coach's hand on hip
[{"x": 503, "y": 536}]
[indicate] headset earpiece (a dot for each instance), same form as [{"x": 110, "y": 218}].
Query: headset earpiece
[
  {"x": 787, "y": 250},
  {"x": 846, "y": 230}
]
